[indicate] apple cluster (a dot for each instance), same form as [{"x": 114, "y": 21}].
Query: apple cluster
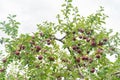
[{"x": 86, "y": 46}]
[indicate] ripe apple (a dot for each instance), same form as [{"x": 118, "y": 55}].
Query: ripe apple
[
  {"x": 40, "y": 57},
  {"x": 2, "y": 70},
  {"x": 88, "y": 52},
  {"x": 88, "y": 32},
  {"x": 37, "y": 66},
  {"x": 32, "y": 42},
  {"x": 78, "y": 51},
  {"x": 87, "y": 39},
  {"x": 74, "y": 47},
  {"x": 48, "y": 40},
  {"x": 98, "y": 56},
  {"x": 99, "y": 51},
  {"x": 64, "y": 60},
  {"x": 78, "y": 60},
  {"x": 73, "y": 32},
  {"x": 84, "y": 37},
  {"x": 74, "y": 39},
  {"x": 92, "y": 70},
  {"x": 33, "y": 37},
  {"x": 80, "y": 37},
  {"x": 93, "y": 43},
  {"x": 41, "y": 34},
  {"x": 81, "y": 30},
  {"x": 105, "y": 39},
  {"x": 93, "y": 38},
  {"x": 48, "y": 43},
  {"x": 17, "y": 52},
  {"x": 51, "y": 58},
  {"x": 22, "y": 47},
  {"x": 90, "y": 60},
  {"x": 79, "y": 44},
  {"x": 4, "y": 60},
  {"x": 100, "y": 43},
  {"x": 84, "y": 57},
  {"x": 112, "y": 49},
  {"x": 38, "y": 48}
]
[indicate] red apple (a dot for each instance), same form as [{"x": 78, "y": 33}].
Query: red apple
[
  {"x": 33, "y": 37},
  {"x": 78, "y": 51},
  {"x": 4, "y": 60},
  {"x": 90, "y": 60},
  {"x": 81, "y": 30},
  {"x": 32, "y": 42},
  {"x": 100, "y": 43},
  {"x": 87, "y": 39},
  {"x": 93, "y": 43},
  {"x": 84, "y": 58},
  {"x": 78, "y": 60},
  {"x": 98, "y": 56},
  {"x": 2, "y": 70},
  {"x": 112, "y": 49},
  {"x": 84, "y": 37},
  {"x": 74, "y": 47},
  {"x": 40, "y": 57},
  {"x": 17, "y": 52},
  {"x": 105, "y": 39},
  {"x": 88, "y": 52},
  {"x": 64, "y": 60},
  {"x": 74, "y": 39},
  {"x": 51, "y": 58},
  {"x": 92, "y": 70},
  {"x": 73, "y": 32},
  {"x": 41, "y": 34},
  {"x": 80, "y": 37},
  {"x": 88, "y": 33},
  {"x": 99, "y": 51},
  {"x": 37, "y": 66},
  {"x": 38, "y": 48},
  {"x": 22, "y": 47},
  {"x": 48, "y": 40},
  {"x": 48, "y": 43},
  {"x": 79, "y": 44}
]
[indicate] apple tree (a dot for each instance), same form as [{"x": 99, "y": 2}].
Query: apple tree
[{"x": 74, "y": 47}]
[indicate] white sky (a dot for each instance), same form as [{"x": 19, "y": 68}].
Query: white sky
[{"x": 32, "y": 12}]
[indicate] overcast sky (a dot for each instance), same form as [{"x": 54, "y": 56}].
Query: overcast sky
[{"x": 32, "y": 12}]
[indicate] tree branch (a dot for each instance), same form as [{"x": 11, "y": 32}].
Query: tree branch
[
  {"x": 116, "y": 73},
  {"x": 61, "y": 40},
  {"x": 80, "y": 72}
]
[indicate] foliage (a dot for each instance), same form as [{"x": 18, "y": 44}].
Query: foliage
[{"x": 80, "y": 53}]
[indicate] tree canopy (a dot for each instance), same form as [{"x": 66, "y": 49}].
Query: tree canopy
[{"x": 80, "y": 51}]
